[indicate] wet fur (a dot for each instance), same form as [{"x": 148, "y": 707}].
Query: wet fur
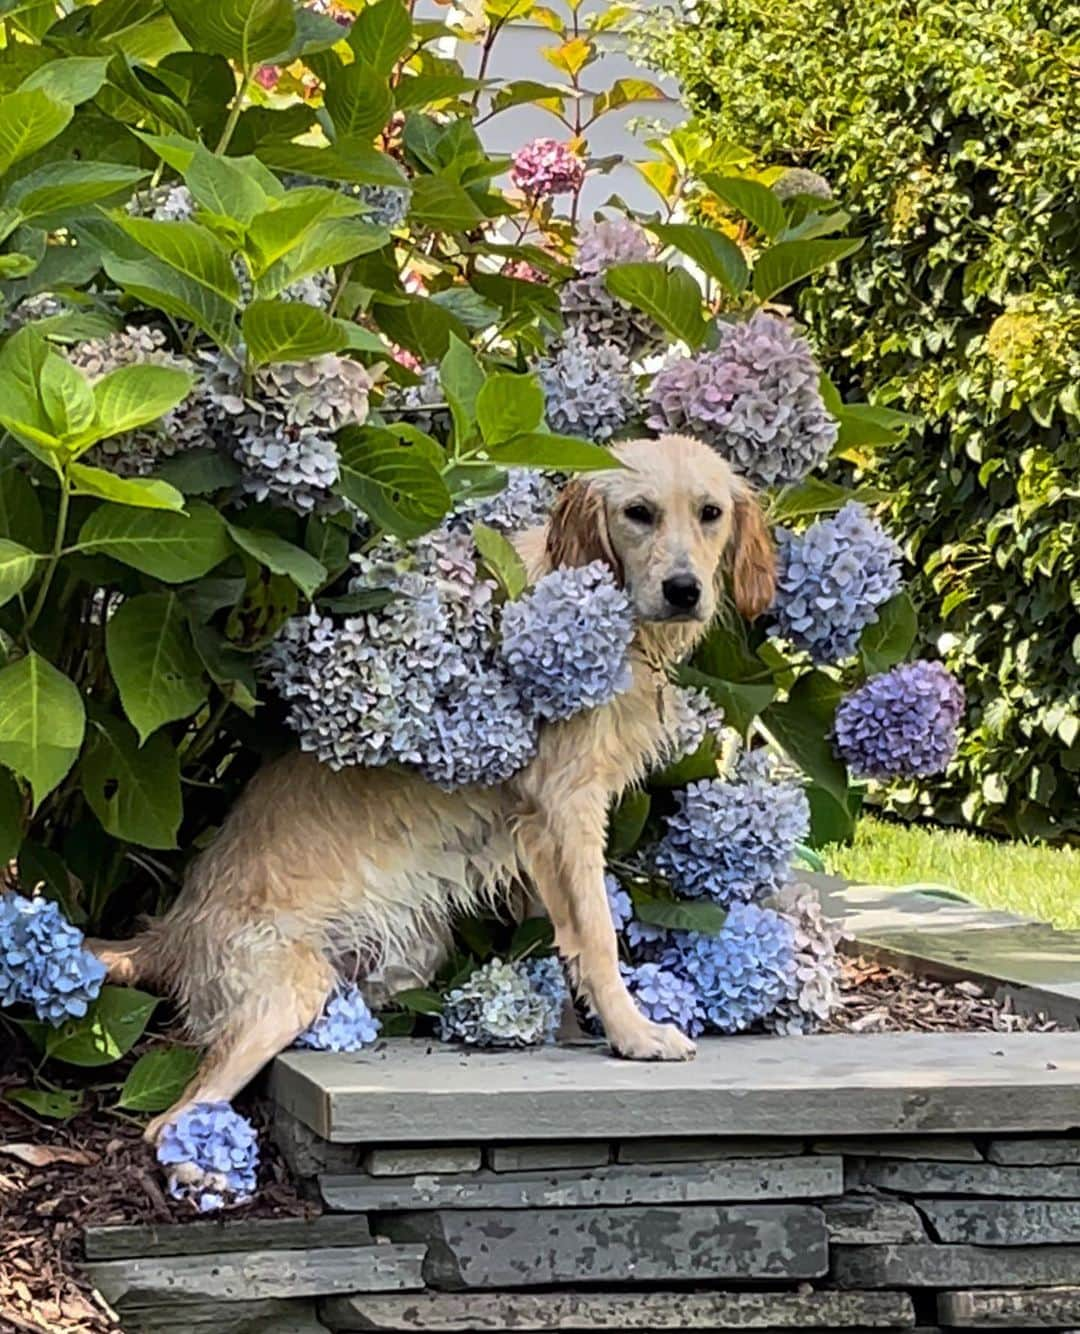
[{"x": 313, "y": 865}]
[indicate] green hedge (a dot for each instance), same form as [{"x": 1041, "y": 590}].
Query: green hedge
[{"x": 952, "y": 133}]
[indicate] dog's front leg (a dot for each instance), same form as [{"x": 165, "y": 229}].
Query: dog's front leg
[{"x": 562, "y": 849}]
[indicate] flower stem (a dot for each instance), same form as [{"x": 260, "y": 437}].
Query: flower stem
[
  {"x": 53, "y": 559},
  {"x": 234, "y": 111}
]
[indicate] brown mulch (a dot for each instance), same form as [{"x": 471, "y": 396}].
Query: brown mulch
[
  {"x": 114, "y": 1178},
  {"x": 879, "y": 999}
]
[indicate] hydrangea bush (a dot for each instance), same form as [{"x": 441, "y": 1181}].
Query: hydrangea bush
[{"x": 281, "y": 374}]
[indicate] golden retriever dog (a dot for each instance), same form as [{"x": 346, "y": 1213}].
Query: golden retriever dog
[{"x": 312, "y": 864}]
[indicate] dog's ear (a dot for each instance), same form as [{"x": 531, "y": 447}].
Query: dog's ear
[
  {"x": 753, "y": 557},
  {"x": 577, "y": 531}
]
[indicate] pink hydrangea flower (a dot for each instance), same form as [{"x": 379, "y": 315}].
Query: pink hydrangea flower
[
  {"x": 547, "y": 167},
  {"x": 266, "y": 76}
]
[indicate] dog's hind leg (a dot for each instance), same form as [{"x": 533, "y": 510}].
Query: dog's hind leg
[{"x": 281, "y": 1004}]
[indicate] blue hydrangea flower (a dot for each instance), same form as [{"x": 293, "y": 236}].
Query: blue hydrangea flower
[
  {"x": 832, "y": 580},
  {"x": 346, "y": 1023},
  {"x": 756, "y": 399},
  {"x": 741, "y": 974},
  {"x": 502, "y": 1005},
  {"x": 665, "y": 997},
  {"x": 619, "y": 901},
  {"x": 43, "y": 961},
  {"x": 211, "y": 1153},
  {"x": 901, "y": 723},
  {"x": 566, "y": 643},
  {"x": 549, "y": 979},
  {"x": 589, "y": 388},
  {"x": 524, "y": 502},
  {"x": 733, "y": 840},
  {"x": 646, "y": 941},
  {"x": 480, "y": 735},
  {"x": 388, "y": 205}
]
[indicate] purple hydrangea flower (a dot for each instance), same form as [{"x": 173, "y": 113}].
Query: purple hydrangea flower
[
  {"x": 212, "y": 1154},
  {"x": 566, "y": 643},
  {"x": 43, "y": 961},
  {"x": 733, "y": 840},
  {"x": 589, "y": 388},
  {"x": 901, "y": 723},
  {"x": 742, "y": 973},
  {"x": 604, "y": 244},
  {"x": 756, "y": 399},
  {"x": 346, "y": 1023},
  {"x": 665, "y": 997},
  {"x": 546, "y": 167},
  {"x": 832, "y": 580}
]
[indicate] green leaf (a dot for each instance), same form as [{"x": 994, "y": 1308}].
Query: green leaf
[
  {"x": 142, "y": 492},
  {"x": 225, "y": 186},
  {"x": 670, "y": 296},
  {"x": 28, "y": 120},
  {"x": 11, "y": 817},
  {"x": 817, "y": 496},
  {"x": 414, "y": 92},
  {"x": 73, "y": 79},
  {"x": 443, "y": 205},
  {"x": 66, "y": 396},
  {"x": 509, "y": 406},
  {"x": 14, "y": 265},
  {"x": 531, "y": 936},
  {"x": 740, "y": 701},
  {"x": 802, "y": 725},
  {"x": 501, "y": 559},
  {"x": 563, "y": 453},
  {"x": 108, "y": 1030},
  {"x": 56, "y": 1104},
  {"x": 17, "y": 566},
  {"x": 624, "y": 92},
  {"x": 158, "y": 1078},
  {"x": 863, "y": 424},
  {"x": 789, "y": 261},
  {"x": 334, "y": 241},
  {"x": 888, "y": 640},
  {"x": 20, "y": 512},
  {"x": 41, "y": 723},
  {"x": 251, "y": 32},
  {"x": 462, "y": 378},
  {"x": 381, "y": 34},
  {"x": 810, "y": 859},
  {"x": 291, "y": 220},
  {"x": 22, "y": 363},
  {"x": 199, "y": 472},
  {"x": 230, "y": 669},
  {"x": 190, "y": 249},
  {"x": 628, "y": 823},
  {"x": 712, "y": 251},
  {"x": 134, "y": 396},
  {"x": 61, "y": 189},
  {"x": 831, "y": 820},
  {"x": 289, "y": 331},
  {"x": 358, "y": 101},
  {"x": 680, "y": 915},
  {"x": 754, "y": 201},
  {"x": 153, "y": 661},
  {"x": 134, "y": 793},
  {"x": 281, "y": 557},
  {"x": 391, "y": 481},
  {"x": 171, "y": 547},
  {"x": 418, "y": 1000}
]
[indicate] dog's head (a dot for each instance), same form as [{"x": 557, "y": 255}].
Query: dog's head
[{"x": 674, "y": 523}]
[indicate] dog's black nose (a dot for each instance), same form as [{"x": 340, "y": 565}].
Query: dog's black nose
[{"x": 683, "y": 591}]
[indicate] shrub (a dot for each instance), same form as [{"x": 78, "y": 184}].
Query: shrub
[{"x": 951, "y": 137}]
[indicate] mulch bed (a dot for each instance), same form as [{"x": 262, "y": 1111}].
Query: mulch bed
[{"x": 111, "y": 1175}]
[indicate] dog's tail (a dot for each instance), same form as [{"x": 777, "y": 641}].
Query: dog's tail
[{"x": 138, "y": 960}]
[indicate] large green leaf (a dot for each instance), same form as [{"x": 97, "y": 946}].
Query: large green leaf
[
  {"x": 281, "y": 557},
  {"x": 59, "y": 190},
  {"x": 789, "y": 261},
  {"x": 17, "y": 565},
  {"x": 679, "y": 915},
  {"x": 20, "y": 510},
  {"x": 134, "y": 792},
  {"x": 444, "y": 205},
  {"x": 134, "y": 396},
  {"x": 754, "y": 201},
  {"x": 740, "y": 701},
  {"x": 144, "y": 492},
  {"x": 863, "y": 424},
  {"x": 803, "y": 724},
  {"x": 289, "y": 331},
  {"x": 153, "y": 661},
  {"x": 22, "y": 363},
  {"x": 462, "y": 378},
  {"x": 158, "y": 1078},
  {"x": 11, "y": 817},
  {"x": 282, "y": 226},
  {"x": 358, "y": 101},
  {"x": 172, "y": 547},
  {"x": 713, "y": 252},
  {"x": 351, "y": 162},
  {"x": 161, "y": 286},
  {"x": 225, "y": 186},
  {"x": 815, "y": 495},
  {"x": 565, "y": 453},
  {"x": 109, "y": 1029},
  {"x": 250, "y": 32},
  {"x": 670, "y": 296},
  {"x": 66, "y": 396},
  {"x": 334, "y": 241},
  {"x": 73, "y": 79},
  {"x": 41, "y": 723},
  {"x": 190, "y": 249},
  {"x": 381, "y": 34},
  {"x": 509, "y": 406},
  {"x": 888, "y": 639},
  {"x": 392, "y": 481},
  {"x": 501, "y": 558},
  {"x": 28, "y": 120},
  {"x": 628, "y": 823}
]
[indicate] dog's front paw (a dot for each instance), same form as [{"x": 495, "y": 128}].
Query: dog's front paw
[{"x": 654, "y": 1042}]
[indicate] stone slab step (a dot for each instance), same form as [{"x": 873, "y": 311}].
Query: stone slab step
[
  {"x": 213, "y": 1238},
  {"x": 810, "y": 1178},
  {"x": 258, "y": 1317},
  {"x": 1010, "y": 1308},
  {"x": 620, "y": 1310},
  {"x": 944, "y": 1266},
  {"x": 910, "y": 1178},
  {"x": 1034, "y": 1152},
  {"x": 861, "y": 1220},
  {"x": 252, "y": 1275},
  {"x": 705, "y": 1149},
  {"x": 538, "y": 1247},
  {"x": 410, "y": 1091},
  {"x": 1004, "y": 1222}
]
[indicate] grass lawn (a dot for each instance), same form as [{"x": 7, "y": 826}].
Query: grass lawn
[{"x": 1023, "y": 878}]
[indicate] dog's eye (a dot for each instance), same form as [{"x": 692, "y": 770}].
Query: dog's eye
[
  {"x": 710, "y": 513},
  {"x": 639, "y": 513}
]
